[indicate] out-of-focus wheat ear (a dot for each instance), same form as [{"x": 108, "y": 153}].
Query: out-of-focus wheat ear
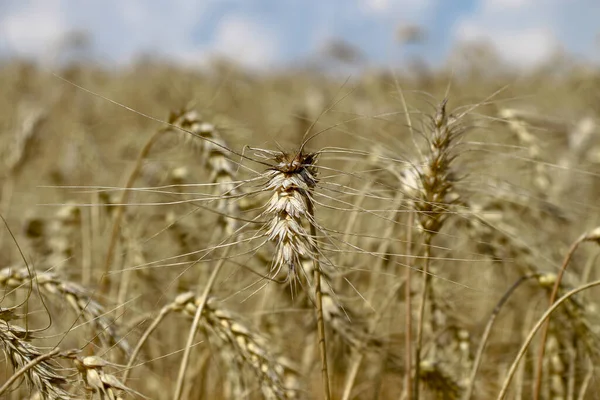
[
  {"x": 53, "y": 238},
  {"x": 439, "y": 380},
  {"x": 78, "y": 298},
  {"x": 486, "y": 334},
  {"x": 499, "y": 240},
  {"x": 183, "y": 235},
  {"x": 434, "y": 196},
  {"x": 277, "y": 376},
  {"x": 42, "y": 375},
  {"x": 521, "y": 128},
  {"x": 502, "y": 242},
  {"x": 234, "y": 385},
  {"x": 177, "y": 305},
  {"x": 31, "y": 118},
  {"x": 591, "y": 236},
  {"x": 17, "y": 153},
  {"x": 62, "y": 230},
  {"x": 291, "y": 180},
  {"x": 555, "y": 365},
  {"x": 340, "y": 318},
  {"x": 579, "y": 138},
  {"x": 540, "y": 322},
  {"x": 216, "y": 160},
  {"x": 579, "y": 317},
  {"x": 451, "y": 346},
  {"x": 233, "y": 382}
]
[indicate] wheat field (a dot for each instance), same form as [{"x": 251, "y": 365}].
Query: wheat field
[{"x": 176, "y": 234}]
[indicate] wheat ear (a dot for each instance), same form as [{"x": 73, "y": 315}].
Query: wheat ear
[
  {"x": 216, "y": 160},
  {"x": 511, "y": 372},
  {"x": 292, "y": 180},
  {"x": 76, "y": 296},
  {"x": 433, "y": 197},
  {"x": 278, "y": 378},
  {"x": 19, "y": 151},
  {"x": 40, "y": 371},
  {"x": 592, "y": 236},
  {"x": 214, "y": 152},
  {"x": 92, "y": 372}
]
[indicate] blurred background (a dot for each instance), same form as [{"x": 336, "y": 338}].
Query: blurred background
[{"x": 263, "y": 34}]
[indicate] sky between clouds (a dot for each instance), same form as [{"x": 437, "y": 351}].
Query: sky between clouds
[{"x": 260, "y": 33}]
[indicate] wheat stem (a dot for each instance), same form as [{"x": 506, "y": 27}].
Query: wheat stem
[
  {"x": 319, "y": 305},
  {"x": 488, "y": 331},
  {"x": 163, "y": 313},
  {"x": 360, "y": 351},
  {"x": 408, "y": 307},
  {"x": 421, "y": 315},
  {"x": 120, "y": 210},
  {"x": 586, "y": 381}
]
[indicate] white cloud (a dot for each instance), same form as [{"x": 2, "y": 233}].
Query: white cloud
[
  {"x": 407, "y": 7},
  {"x": 246, "y": 41},
  {"x": 524, "y": 33},
  {"x": 499, "y": 5},
  {"x": 528, "y": 46},
  {"x": 33, "y": 29},
  {"x": 121, "y": 30},
  {"x": 377, "y": 5},
  {"x": 523, "y": 47}
]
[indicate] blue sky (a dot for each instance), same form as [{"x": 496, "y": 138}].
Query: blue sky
[{"x": 261, "y": 33}]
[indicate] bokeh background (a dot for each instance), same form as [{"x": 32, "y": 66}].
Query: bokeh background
[{"x": 269, "y": 33}]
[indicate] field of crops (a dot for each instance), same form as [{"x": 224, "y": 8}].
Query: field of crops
[{"x": 223, "y": 234}]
